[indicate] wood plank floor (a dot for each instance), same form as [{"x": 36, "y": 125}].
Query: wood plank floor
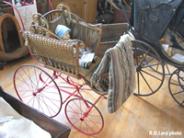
[{"x": 136, "y": 119}]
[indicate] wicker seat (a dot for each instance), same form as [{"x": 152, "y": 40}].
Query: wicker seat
[{"x": 59, "y": 54}]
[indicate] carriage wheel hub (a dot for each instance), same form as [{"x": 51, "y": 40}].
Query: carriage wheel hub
[
  {"x": 138, "y": 69},
  {"x": 34, "y": 94},
  {"x": 81, "y": 119}
]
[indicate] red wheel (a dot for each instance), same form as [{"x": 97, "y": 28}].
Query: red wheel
[
  {"x": 76, "y": 111},
  {"x": 36, "y": 88}
]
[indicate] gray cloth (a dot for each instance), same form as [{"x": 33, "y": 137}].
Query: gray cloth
[{"x": 115, "y": 74}]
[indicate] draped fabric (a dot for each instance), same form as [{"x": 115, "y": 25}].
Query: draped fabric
[{"x": 115, "y": 74}]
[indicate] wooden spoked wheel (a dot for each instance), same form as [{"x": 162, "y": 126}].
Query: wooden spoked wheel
[
  {"x": 176, "y": 86},
  {"x": 88, "y": 123},
  {"x": 149, "y": 69},
  {"x": 37, "y": 88}
]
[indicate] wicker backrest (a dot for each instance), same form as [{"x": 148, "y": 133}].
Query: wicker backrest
[{"x": 62, "y": 55}]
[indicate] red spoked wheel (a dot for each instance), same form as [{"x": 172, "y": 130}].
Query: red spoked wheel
[
  {"x": 37, "y": 88},
  {"x": 88, "y": 123}
]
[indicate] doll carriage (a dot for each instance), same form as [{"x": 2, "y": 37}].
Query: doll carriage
[
  {"x": 39, "y": 88},
  {"x": 158, "y": 29}
]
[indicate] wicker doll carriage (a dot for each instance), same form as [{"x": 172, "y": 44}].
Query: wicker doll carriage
[{"x": 62, "y": 56}]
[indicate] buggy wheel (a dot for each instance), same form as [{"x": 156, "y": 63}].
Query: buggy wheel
[
  {"x": 78, "y": 115},
  {"x": 36, "y": 88},
  {"x": 149, "y": 69},
  {"x": 176, "y": 86}
]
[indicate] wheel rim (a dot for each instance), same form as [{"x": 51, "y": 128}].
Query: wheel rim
[
  {"x": 36, "y": 88},
  {"x": 91, "y": 125},
  {"x": 149, "y": 69},
  {"x": 176, "y": 86}
]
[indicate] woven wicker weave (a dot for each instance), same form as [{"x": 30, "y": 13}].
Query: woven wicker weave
[{"x": 61, "y": 54}]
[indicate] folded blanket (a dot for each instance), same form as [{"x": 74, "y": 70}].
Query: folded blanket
[{"x": 115, "y": 74}]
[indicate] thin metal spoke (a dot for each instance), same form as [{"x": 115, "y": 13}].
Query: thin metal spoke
[
  {"x": 174, "y": 83},
  {"x": 80, "y": 125},
  {"x": 157, "y": 66},
  {"x": 29, "y": 76},
  {"x": 87, "y": 126},
  {"x": 94, "y": 122},
  {"x": 146, "y": 82},
  {"x": 43, "y": 96},
  {"x": 138, "y": 83},
  {"x": 22, "y": 94},
  {"x": 74, "y": 123},
  {"x": 150, "y": 60},
  {"x": 150, "y": 65},
  {"x": 75, "y": 118},
  {"x": 67, "y": 87},
  {"x": 37, "y": 85},
  {"x": 39, "y": 104},
  {"x": 167, "y": 69},
  {"x": 74, "y": 112},
  {"x": 91, "y": 114},
  {"x": 33, "y": 101},
  {"x": 26, "y": 96},
  {"x": 25, "y": 82},
  {"x": 48, "y": 109},
  {"x": 27, "y": 91},
  {"x": 29, "y": 101},
  {"x": 50, "y": 97},
  {"x": 78, "y": 106},
  {"x": 50, "y": 92},
  {"x": 71, "y": 107},
  {"x": 178, "y": 92},
  {"x": 151, "y": 75}
]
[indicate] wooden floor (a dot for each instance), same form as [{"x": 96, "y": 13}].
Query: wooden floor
[{"x": 138, "y": 117}]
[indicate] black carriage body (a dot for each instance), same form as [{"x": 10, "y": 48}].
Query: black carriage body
[
  {"x": 150, "y": 18},
  {"x": 177, "y": 24}
]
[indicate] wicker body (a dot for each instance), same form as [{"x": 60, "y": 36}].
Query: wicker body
[{"x": 63, "y": 54}]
